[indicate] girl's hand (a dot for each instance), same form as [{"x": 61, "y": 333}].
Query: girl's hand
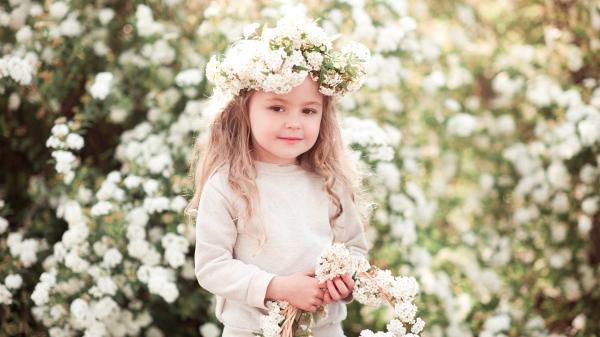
[
  {"x": 300, "y": 290},
  {"x": 338, "y": 288}
]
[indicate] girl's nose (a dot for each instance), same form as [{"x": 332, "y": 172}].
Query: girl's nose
[
  {"x": 292, "y": 125},
  {"x": 293, "y": 122}
]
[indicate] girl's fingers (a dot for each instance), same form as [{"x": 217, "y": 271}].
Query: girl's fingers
[
  {"x": 333, "y": 291},
  {"x": 348, "y": 280},
  {"x": 327, "y": 299},
  {"x": 321, "y": 294},
  {"x": 341, "y": 286}
]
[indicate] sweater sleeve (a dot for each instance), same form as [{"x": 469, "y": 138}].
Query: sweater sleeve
[
  {"x": 353, "y": 232},
  {"x": 215, "y": 268},
  {"x": 354, "y": 236}
]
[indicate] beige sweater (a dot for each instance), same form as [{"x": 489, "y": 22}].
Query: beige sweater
[{"x": 295, "y": 211}]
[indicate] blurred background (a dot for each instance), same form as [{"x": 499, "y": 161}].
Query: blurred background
[{"x": 479, "y": 126}]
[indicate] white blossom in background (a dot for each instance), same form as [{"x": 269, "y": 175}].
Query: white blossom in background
[
  {"x": 24, "y": 35},
  {"x": 507, "y": 87},
  {"x": 462, "y": 125},
  {"x": 209, "y": 330},
  {"x": 190, "y": 77},
  {"x": 146, "y": 25},
  {"x": 71, "y": 27},
  {"x": 74, "y": 141},
  {"x": 18, "y": 69},
  {"x": 101, "y": 208},
  {"x": 41, "y": 292},
  {"x": 160, "y": 281},
  {"x": 105, "y": 15},
  {"x": 542, "y": 91},
  {"x": 159, "y": 52},
  {"x": 24, "y": 250},
  {"x": 378, "y": 142},
  {"x": 112, "y": 258},
  {"x": 65, "y": 162},
  {"x": 176, "y": 247},
  {"x": 101, "y": 86},
  {"x": 62, "y": 140},
  {"x": 3, "y": 225},
  {"x": 5, "y": 295},
  {"x": 58, "y": 9},
  {"x": 496, "y": 324},
  {"x": 13, "y": 281}
]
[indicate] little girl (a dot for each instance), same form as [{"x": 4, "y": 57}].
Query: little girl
[{"x": 273, "y": 186}]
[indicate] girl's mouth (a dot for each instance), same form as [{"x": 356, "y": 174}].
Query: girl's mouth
[{"x": 290, "y": 140}]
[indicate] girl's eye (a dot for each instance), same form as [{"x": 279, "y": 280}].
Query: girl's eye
[
  {"x": 310, "y": 111},
  {"x": 276, "y": 108}
]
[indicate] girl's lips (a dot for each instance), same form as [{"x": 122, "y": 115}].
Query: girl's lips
[{"x": 290, "y": 140}]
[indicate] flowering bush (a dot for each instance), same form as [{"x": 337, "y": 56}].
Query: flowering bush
[{"x": 478, "y": 123}]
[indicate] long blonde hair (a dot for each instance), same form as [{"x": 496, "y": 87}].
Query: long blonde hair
[{"x": 229, "y": 141}]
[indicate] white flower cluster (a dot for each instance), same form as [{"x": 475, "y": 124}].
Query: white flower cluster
[
  {"x": 17, "y": 69},
  {"x": 41, "y": 292},
  {"x": 369, "y": 333},
  {"x": 160, "y": 281},
  {"x": 12, "y": 281},
  {"x": 100, "y": 314},
  {"x": 23, "y": 250},
  {"x": 374, "y": 287},
  {"x": 551, "y": 186},
  {"x": 395, "y": 329},
  {"x": 336, "y": 260},
  {"x": 103, "y": 317},
  {"x": 150, "y": 151},
  {"x": 462, "y": 124},
  {"x": 282, "y": 57},
  {"x": 3, "y": 223},
  {"x": 270, "y": 324},
  {"x": 496, "y": 325},
  {"x": 159, "y": 52},
  {"x": 96, "y": 317},
  {"x": 138, "y": 247},
  {"x": 209, "y": 329},
  {"x": 74, "y": 240},
  {"x": 176, "y": 247},
  {"x": 5, "y": 295},
  {"x": 145, "y": 24},
  {"x": 190, "y": 77},
  {"x": 366, "y": 291},
  {"x": 101, "y": 86},
  {"x": 64, "y": 141},
  {"x": 377, "y": 142}
]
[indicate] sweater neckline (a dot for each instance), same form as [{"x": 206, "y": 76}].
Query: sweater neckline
[{"x": 272, "y": 168}]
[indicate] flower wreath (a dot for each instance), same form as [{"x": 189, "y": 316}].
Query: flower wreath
[{"x": 280, "y": 58}]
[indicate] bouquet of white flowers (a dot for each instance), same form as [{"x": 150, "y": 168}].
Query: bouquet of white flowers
[{"x": 372, "y": 287}]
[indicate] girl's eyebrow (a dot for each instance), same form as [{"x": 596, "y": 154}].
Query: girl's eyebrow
[{"x": 285, "y": 101}]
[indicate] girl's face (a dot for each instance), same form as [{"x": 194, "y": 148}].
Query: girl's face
[{"x": 285, "y": 126}]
